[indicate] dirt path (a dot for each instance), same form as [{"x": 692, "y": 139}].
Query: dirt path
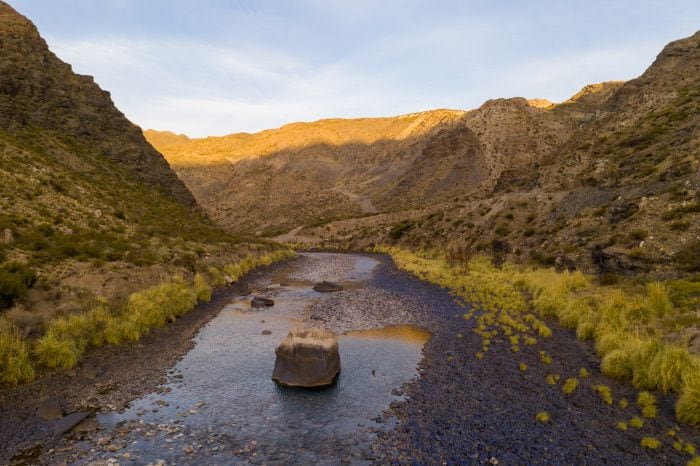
[{"x": 460, "y": 410}]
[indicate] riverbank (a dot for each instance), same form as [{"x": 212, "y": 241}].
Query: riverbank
[{"x": 107, "y": 378}]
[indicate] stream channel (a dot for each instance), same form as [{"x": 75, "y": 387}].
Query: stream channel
[{"x": 220, "y": 405}]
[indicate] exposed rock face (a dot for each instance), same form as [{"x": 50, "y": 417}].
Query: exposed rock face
[
  {"x": 39, "y": 91},
  {"x": 307, "y": 358}
]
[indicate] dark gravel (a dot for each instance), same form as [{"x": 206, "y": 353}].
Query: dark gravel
[{"x": 467, "y": 411}]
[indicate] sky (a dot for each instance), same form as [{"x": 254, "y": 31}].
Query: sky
[{"x": 215, "y": 67}]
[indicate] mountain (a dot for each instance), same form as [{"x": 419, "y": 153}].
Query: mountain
[
  {"x": 89, "y": 210},
  {"x": 606, "y": 180}
]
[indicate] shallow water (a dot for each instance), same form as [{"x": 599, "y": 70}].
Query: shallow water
[{"x": 223, "y": 385}]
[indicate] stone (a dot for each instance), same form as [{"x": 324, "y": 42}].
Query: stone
[
  {"x": 66, "y": 423},
  {"x": 7, "y": 237},
  {"x": 49, "y": 410},
  {"x": 88, "y": 425},
  {"x": 325, "y": 286},
  {"x": 228, "y": 279},
  {"x": 266, "y": 332},
  {"x": 307, "y": 358},
  {"x": 259, "y": 301}
]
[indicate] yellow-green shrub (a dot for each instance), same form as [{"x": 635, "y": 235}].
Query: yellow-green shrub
[
  {"x": 586, "y": 325},
  {"x": 543, "y": 416},
  {"x": 201, "y": 288},
  {"x": 15, "y": 364},
  {"x": 156, "y": 306},
  {"x": 666, "y": 369},
  {"x": 688, "y": 404},
  {"x": 658, "y": 299}
]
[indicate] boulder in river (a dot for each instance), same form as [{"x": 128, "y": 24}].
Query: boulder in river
[
  {"x": 307, "y": 358},
  {"x": 259, "y": 301},
  {"x": 327, "y": 286}
]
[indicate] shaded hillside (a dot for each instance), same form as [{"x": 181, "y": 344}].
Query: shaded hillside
[
  {"x": 612, "y": 170},
  {"x": 310, "y": 173},
  {"x": 89, "y": 211}
]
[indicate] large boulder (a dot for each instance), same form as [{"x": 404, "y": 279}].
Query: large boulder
[{"x": 307, "y": 358}]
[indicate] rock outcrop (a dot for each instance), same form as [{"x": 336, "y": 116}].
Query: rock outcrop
[{"x": 307, "y": 358}]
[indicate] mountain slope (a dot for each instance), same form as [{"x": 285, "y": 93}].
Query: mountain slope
[
  {"x": 309, "y": 173},
  {"x": 605, "y": 180},
  {"x": 89, "y": 211}
]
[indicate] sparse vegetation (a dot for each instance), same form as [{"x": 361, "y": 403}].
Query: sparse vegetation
[
  {"x": 543, "y": 416},
  {"x": 624, "y": 324}
]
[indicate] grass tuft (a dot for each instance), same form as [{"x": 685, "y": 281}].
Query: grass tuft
[
  {"x": 622, "y": 425},
  {"x": 650, "y": 443},
  {"x": 201, "y": 288},
  {"x": 569, "y": 386},
  {"x": 543, "y": 416},
  {"x": 647, "y": 402},
  {"x": 15, "y": 365},
  {"x": 688, "y": 404},
  {"x": 636, "y": 422},
  {"x": 605, "y": 393}
]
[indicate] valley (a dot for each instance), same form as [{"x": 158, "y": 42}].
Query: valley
[{"x": 517, "y": 283}]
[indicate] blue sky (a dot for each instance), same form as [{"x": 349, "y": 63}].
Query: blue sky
[{"x": 213, "y": 67}]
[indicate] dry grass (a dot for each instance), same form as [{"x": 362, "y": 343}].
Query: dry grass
[
  {"x": 543, "y": 416},
  {"x": 15, "y": 364}
]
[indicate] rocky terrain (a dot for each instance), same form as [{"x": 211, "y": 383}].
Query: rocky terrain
[{"x": 606, "y": 181}]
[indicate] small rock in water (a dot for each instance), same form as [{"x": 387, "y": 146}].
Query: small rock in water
[
  {"x": 67, "y": 423},
  {"x": 259, "y": 301},
  {"x": 325, "y": 286}
]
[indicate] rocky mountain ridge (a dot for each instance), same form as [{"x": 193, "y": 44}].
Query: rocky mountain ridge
[{"x": 614, "y": 168}]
